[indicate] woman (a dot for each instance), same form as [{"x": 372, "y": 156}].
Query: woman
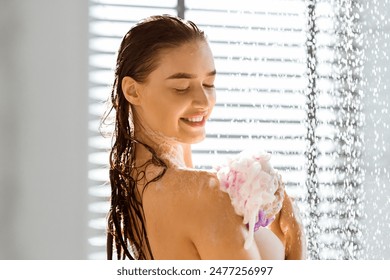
[{"x": 162, "y": 208}]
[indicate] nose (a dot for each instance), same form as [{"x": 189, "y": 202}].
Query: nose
[{"x": 202, "y": 98}]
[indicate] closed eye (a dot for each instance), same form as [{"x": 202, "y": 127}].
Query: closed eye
[
  {"x": 208, "y": 86},
  {"x": 182, "y": 90}
]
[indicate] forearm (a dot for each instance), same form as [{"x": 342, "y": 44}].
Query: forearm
[
  {"x": 296, "y": 249},
  {"x": 296, "y": 246},
  {"x": 288, "y": 228}
]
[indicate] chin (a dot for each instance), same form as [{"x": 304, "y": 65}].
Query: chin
[
  {"x": 193, "y": 140},
  {"x": 198, "y": 140}
]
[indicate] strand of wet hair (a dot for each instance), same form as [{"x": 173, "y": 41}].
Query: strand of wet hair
[{"x": 130, "y": 230}]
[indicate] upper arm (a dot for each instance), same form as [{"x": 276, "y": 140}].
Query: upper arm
[{"x": 216, "y": 230}]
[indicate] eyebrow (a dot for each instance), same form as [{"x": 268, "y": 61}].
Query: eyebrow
[{"x": 182, "y": 75}]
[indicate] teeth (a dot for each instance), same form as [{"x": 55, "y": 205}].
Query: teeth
[{"x": 197, "y": 119}]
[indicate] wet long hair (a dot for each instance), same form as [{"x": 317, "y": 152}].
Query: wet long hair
[{"x": 138, "y": 56}]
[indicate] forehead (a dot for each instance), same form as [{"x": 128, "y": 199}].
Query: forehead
[{"x": 192, "y": 57}]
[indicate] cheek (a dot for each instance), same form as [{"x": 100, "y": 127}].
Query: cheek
[
  {"x": 163, "y": 113},
  {"x": 212, "y": 100}
]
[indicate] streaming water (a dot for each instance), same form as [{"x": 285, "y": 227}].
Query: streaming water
[
  {"x": 348, "y": 212},
  {"x": 349, "y": 124}
]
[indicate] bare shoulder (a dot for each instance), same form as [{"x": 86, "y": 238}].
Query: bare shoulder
[
  {"x": 199, "y": 190},
  {"x": 180, "y": 190},
  {"x": 184, "y": 190}
]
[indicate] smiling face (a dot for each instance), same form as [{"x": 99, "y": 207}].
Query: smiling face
[{"x": 179, "y": 95}]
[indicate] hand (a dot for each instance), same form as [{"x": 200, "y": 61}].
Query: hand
[{"x": 272, "y": 209}]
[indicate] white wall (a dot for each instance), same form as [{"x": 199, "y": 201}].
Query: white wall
[{"x": 43, "y": 128}]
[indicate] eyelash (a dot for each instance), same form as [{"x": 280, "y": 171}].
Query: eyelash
[
  {"x": 209, "y": 86},
  {"x": 182, "y": 90},
  {"x": 186, "y": 89}
]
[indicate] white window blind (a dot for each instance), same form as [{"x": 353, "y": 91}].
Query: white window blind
[{"x": 261, "y": 51}]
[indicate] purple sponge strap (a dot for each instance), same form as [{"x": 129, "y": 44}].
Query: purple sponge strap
[{"x": 262, "y": 221}]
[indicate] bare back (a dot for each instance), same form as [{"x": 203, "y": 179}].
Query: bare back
[{"x": 188, "y": 217}]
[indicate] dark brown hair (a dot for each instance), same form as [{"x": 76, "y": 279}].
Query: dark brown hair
[{"x": 138, "y": 56}]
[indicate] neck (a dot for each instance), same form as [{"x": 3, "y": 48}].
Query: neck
[{"x": 174, "y": 153}]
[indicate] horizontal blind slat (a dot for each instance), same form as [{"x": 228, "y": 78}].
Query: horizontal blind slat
[
  {"x": 143, "y": 3},
  {"x": 254, "y": 51},
  {"x": 239, "y": 19},
  {"x": 249, "y": 35},
  {"x": 125, "y": 13},
  {"x": 275, "y": 6}
]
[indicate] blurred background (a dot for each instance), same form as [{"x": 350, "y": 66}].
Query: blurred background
[
  {"x": 44, "y": 116},
  {"x": 310, "y": 85}
]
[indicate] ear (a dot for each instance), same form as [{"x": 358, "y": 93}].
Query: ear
[{"x": 129, "y": 88}]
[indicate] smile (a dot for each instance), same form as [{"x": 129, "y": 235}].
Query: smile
[{"x": 195, "y": 121}]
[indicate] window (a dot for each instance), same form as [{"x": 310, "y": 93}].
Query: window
[{"x": 278, "y": 89}]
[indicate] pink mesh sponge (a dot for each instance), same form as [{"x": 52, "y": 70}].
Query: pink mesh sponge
[{"x": 255, "y": 189}]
